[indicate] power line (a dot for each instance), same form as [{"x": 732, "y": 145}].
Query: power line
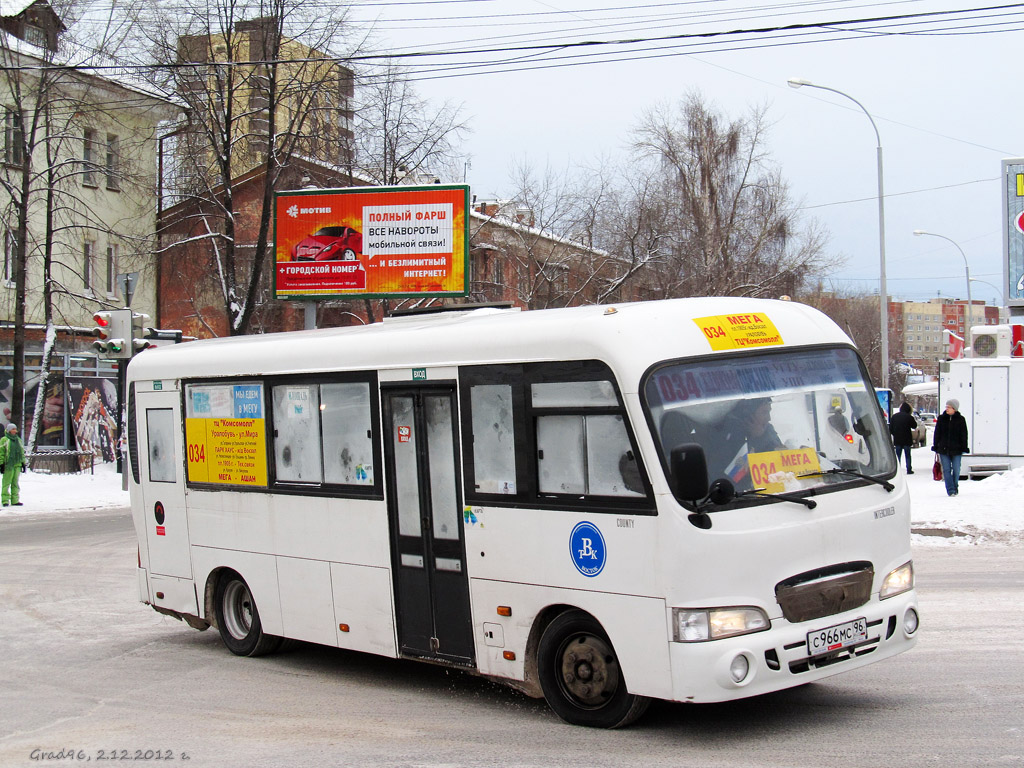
[
  {"x": 897, "y": 194},
  {"x": 556, "y": 46}
]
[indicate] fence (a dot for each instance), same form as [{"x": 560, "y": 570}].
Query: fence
[{"x": 61, "y": 462}]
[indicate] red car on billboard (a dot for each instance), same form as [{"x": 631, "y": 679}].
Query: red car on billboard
[{"x": 329, "y": 244}]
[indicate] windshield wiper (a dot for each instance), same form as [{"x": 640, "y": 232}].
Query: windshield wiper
[
  {"x": 839, "y": 471},
  {"x": 809, "y": 503}
]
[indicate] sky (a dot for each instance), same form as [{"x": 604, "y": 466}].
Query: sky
[
  {"x": 940, "y": 88},
  {"x": 979, "y": 515}
]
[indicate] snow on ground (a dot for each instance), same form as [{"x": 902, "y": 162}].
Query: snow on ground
[
  {"x": 985, "y": 511},
  {"x": 66, "y": 493},
  {"x": 989, "y": 510}
]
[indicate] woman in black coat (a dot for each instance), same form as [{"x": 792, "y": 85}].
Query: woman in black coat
[
  {"x": 902, "y": 426},
  {"x": 950, "y": 442}
]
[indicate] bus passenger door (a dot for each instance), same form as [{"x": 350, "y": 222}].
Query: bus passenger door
[
  {"x": 161, "y": 477},
  {"x": 424, "y": 511}
]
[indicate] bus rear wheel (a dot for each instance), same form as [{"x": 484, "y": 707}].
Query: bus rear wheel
[
  {"x": 238, "y": 619},
  {"x": 580, "y": 674}
]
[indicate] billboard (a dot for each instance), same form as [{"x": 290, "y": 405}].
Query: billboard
[
  {"x": 92, "y": 402},
  {"x": 1013, "y": 231},
  {"x": 372, "y": 242}
]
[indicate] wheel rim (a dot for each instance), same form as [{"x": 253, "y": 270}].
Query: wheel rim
[
  {"x": 238, "y": 610},
  {"x": 587, "y": 672}
]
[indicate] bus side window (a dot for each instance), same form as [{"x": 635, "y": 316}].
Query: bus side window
[
  {"x": 323, "y": 434},
  {"x": 297, "y": 433},
  {"x": 586, "y": 454},
  {"x": 550, "y": 435},
  {"x": 160, "y": 448},
  {"x": 347, "y": 428},
  {"x": 494, "y": 438}
]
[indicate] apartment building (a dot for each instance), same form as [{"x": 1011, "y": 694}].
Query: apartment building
[{"x": 922, "y": 326}]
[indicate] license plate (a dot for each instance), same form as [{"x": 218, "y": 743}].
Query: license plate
[{"x": 837, "y": 637}]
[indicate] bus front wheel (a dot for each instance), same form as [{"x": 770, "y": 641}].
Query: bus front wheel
[
  {"x": 580, "y": 674},
  {"x": 239, "y": 620}
]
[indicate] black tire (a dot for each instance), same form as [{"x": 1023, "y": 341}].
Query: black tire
[
  {"x": 348, "y": 255},
  {"x": 238, "y": 619},
  {"x": 580, "y": 675}
]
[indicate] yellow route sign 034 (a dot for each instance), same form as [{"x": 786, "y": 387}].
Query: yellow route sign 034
[
  {"x": 776, "y": 471},
  {"x": 743, "y": 330},
  {"x": 226, "y": 435}
]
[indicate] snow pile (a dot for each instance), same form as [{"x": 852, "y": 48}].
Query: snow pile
[
  {"x": 984, "y": 510},
  {"x": 70, "y": 493}
]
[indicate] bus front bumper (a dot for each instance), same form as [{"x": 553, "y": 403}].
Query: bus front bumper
[{"x": 778, "y": 658}]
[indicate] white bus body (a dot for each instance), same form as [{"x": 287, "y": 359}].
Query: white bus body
[{"x": 494, "y": 490}]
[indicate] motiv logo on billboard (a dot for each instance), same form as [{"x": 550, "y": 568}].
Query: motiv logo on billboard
[{"x": 294, "y": 211}]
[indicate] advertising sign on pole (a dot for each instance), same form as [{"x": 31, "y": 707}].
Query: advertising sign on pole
[
  {"x": 372, "y": 242},
  {"x": 1013, "y": 231}
]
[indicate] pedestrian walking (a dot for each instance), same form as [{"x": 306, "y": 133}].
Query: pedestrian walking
[
  {"x": 12, "y": 463},
  {"x": 950, "y": 443},
  {"x": 901, "y": 427}
]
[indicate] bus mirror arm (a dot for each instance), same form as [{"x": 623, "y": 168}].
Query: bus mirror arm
[{"x": 689, "y": 480}]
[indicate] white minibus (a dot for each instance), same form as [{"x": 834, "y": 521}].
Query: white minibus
[{"x": 693, "y": 500}]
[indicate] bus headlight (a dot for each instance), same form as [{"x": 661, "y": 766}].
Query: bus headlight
[
  {"x": 696, "y": 625},
  {"x": 897, "y": 582}
]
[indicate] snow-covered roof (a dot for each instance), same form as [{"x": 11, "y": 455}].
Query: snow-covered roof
[
  {"x": 927, "y": 388},
  {"x": 121, "y": 78},
  {"x": 501, "y": 221},
  {"x": 9, "y": 8}
]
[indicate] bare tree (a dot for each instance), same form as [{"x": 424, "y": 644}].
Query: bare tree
[
  {"x": 51, "y": 97},
  {"x": 857, "y": 314},
  {"x": 721, "y": 216},
  {"x": 401, "y": 137},
  {"x": 264, "y": 89}
]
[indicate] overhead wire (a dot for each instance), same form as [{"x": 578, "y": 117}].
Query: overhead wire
[{"x": 554, "y": 56}]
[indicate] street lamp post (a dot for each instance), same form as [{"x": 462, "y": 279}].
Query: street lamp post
[
  {"x": 967, "y": 274},
  {"x": 994, "y": 288},
  {"x": 883, "y": 299}
]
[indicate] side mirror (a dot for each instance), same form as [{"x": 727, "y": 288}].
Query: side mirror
[{"x": 689, "y": 472}]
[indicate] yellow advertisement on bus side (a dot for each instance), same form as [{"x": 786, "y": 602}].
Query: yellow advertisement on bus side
[{"x": 226, "y": 434}]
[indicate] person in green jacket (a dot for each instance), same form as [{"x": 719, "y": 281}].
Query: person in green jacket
[{"x": 12, "y": 461}]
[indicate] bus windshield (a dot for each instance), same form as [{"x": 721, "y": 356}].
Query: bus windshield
[{"x": 784, "y": 422}]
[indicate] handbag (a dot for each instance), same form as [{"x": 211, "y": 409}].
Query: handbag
[{"x": 937, "y": 469}]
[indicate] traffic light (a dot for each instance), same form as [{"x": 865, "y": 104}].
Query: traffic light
[
  {"x": 113, "y": 331},
  {"x": 139, "y": 342}
]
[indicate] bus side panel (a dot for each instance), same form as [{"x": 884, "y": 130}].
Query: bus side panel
[
  {"x": 307, "y": 606},
  {"x": 363, "y": 602},
  {"x": 259, "y": 572},
  {"x": 308, "y": 527},
  {"x": 174, "y": 594},
  {"x": 635, "y": 625},
  {"x": 544, "y": 546},
  {"x": 138, "y": 521}
]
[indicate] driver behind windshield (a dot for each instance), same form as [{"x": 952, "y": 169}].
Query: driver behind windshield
[{"x": 746, "y": 429}]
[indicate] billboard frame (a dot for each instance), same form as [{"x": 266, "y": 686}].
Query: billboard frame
[
  {"x": 384, "y": 190},
  {"x": 1013, "y": 238}
]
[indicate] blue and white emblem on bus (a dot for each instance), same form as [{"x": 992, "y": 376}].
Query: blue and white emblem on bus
[{"x": 586, "y": 547}]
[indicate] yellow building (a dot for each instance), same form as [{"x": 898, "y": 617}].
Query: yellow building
[{"x": 234, "y": 91}]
